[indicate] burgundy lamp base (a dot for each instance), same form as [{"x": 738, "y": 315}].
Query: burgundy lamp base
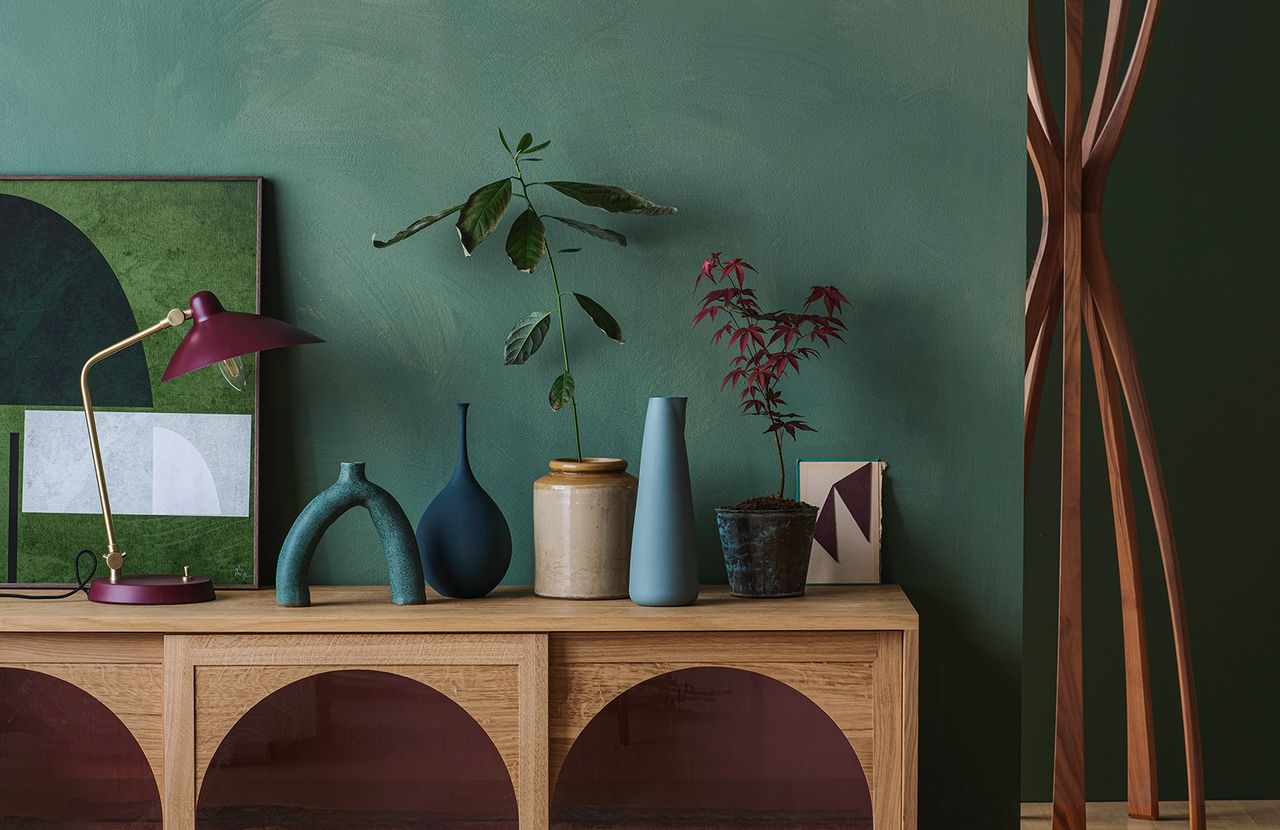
[{"x": 152, "y": 589}]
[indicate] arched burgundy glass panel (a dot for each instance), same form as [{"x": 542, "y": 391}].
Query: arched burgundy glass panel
[
  {"x": 711, "y": 748},
  {"x": 357, "y": 750},
  {"x": 67, "y": 762}
]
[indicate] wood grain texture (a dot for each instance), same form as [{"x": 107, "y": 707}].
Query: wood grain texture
[
  {"x": 910, "y": 729},
  {"x": 368, "y": 610},
  {"x": 179, "y": 735},
  {"x": 17, "y": 647},
  {"x": 1033, "y": 381},
  {"x": 887, "y": 794},
  {"x": 1140, "y": 726},
  {"x": 1068, "y": 744},
  {"x": 1104, "y": 91},
  {"x": 534, "y": 695}
]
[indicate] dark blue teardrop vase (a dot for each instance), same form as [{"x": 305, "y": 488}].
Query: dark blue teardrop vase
[{"x": 463, "y": 538}]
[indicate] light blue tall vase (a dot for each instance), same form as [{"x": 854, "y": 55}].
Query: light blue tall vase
[{"x": 664, "y": 554}]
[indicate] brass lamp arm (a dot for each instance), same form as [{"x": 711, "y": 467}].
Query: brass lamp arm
[{"x": 114, "y": 556}]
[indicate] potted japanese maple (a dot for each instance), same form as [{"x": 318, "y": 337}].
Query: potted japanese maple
[{"x": 767, "y": 540}]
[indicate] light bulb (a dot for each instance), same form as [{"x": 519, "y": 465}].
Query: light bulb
[{"x": 233, "y": 372}]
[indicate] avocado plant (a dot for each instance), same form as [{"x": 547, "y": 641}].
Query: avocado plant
[
  {"x": 527, "y": 245},
  {"x": 770, "y": 344}
]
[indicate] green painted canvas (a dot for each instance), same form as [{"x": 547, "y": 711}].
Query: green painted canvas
[{"x": 85, "y": 263}]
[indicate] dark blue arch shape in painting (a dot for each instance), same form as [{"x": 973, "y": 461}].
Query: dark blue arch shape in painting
[{"x": 60, "y": 302}]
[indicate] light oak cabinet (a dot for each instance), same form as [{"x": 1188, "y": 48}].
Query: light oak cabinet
[{"x": 512, "y": 711}]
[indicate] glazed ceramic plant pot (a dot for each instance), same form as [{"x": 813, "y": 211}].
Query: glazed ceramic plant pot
[
  {"x": 766, "y": 552},
  {"x": 582, "y": 521}
]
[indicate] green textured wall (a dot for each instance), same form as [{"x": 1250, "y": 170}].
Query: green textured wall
[
  {"x": 877, "y": 145},
  {"x": 1190, "y": 219}
]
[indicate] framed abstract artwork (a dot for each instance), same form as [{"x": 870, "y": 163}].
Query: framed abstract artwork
[
  {"x": 84, "y": 263},
  {"x": 846, "y": 538}
]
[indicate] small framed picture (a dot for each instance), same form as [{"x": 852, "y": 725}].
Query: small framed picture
[{"x": 846, "y": 540}]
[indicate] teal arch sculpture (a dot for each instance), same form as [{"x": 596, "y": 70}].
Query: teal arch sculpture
[{"x": 351, "y": 489}]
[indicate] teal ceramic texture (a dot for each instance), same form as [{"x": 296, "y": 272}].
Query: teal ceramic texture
[
  {"x": 664, "y": 552},
  {"x": 351, "y": 489}
]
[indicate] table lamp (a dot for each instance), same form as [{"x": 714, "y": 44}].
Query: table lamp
[{"x": 216, "y": 336}]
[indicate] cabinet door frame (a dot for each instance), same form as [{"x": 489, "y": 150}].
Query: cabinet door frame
[
  {"x": 185, "y": 655},
  {"x": 886, "y": 731},
  {"x": 121, "y": 671}
]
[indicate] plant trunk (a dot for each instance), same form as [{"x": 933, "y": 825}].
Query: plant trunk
[{"x": 782, "y": 467}]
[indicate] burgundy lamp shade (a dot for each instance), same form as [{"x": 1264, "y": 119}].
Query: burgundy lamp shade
[{"x": 217, "y": 334}]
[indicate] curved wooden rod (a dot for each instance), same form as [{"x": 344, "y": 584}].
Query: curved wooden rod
[
  {"x": 1046, "y": 273},
  {"x": 1033, "y": 380},
  {"x": 1144, "y": 801},
  {"x": 1037, "y": 89},
  {"x": 1105, "y": 90},
  {"x": 1107, "y": 303},
  {"x": 1103, "y": 151}
]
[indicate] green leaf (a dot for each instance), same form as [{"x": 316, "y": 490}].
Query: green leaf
[
  {"x": 603, "y": 319},
  {"x": 415, "y": 227},
  {"x": 544, "y": 145},
  {"x": 594, "y": 230},
  {"x": 610, "y": 198},
  {"x": 526, "y": 337},
  {"x": 561, "y": 391},
  {"x": 482, "y": 212},
  {"x": 525, "y": 141},
  {"x": 527, "y": 241},
  {"x": 503, "y": 139},
  {"x": 568, "y": 250}
]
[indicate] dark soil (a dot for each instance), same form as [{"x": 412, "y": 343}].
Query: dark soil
[{"x": 769, "y": 503}]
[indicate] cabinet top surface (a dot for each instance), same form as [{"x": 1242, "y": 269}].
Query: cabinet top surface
[{"x": 337, "y": 609}]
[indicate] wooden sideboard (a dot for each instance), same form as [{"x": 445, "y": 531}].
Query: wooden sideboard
[{"x": 247, "y": 714}]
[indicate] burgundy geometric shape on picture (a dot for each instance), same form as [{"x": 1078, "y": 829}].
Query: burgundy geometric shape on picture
[
  {"x": 711, "y": 748},
  {"x": 855, "y": 491},
  {"x": 66, "y": 760},
  {"x": 357, "y": 750}
]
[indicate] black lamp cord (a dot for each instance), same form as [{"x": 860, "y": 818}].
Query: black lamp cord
[{"x": 82, "y": 582}]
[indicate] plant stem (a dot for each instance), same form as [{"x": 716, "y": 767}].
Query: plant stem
[
  {"x": 555, "y": 284},
  {"x": 770, "y": 412},
  {"x": 564, "y": 348},
  {"x": 782, "y": 467}
]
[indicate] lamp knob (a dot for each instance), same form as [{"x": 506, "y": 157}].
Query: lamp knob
[
  {"x": 115, "y": 560},
  {"x": 175, "y": 317}
]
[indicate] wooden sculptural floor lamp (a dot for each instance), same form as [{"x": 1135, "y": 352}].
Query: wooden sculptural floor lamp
[{"x": 1072, "y": 275}]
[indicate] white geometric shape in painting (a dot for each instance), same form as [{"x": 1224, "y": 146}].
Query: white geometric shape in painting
[
  {"x": 846, "y": 540},
  {"x": 156, "y": 463},
  {"x": 181, "y": 482}
]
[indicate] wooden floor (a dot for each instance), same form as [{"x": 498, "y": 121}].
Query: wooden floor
[{"x": 1222, "y": 815}]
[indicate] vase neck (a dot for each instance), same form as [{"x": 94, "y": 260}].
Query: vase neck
[
  {"x": 463, "y": 464},
  {"x": 351, "y": 471}
]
